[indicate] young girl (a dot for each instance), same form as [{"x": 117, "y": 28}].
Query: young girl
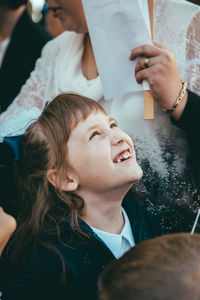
[{"x": 76, "y": 169}]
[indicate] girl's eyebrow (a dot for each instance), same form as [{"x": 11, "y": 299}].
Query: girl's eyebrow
[
  {"x": 97, "y": 125},
  {"x": 93, "y": 127},
  {"x": 112, "y": 119}
]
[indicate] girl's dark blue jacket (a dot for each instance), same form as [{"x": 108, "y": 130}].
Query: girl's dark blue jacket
[{"x": 41, "y": 276}]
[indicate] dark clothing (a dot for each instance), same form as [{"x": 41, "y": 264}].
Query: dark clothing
[
  {"x": 172, "y": 188},
  {"x": 24, "y": 49},
  {"x": 84, "y": 261},
  {"x": 9, "y": 153},
  {"x": 190, "y": 122}
]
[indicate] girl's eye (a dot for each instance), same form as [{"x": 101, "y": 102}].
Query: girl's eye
[
  {"x": 112, "y": 125},
  {"x": 94, "y": 134}
]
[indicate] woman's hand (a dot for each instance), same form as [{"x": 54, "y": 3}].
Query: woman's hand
[
  {"x": 7, "y": 227},
  {"x": 162, "y": 75}
]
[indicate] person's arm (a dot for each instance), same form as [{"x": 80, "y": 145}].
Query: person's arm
[
  {"x": 7, "y": 227},
  {"x": 165, "y": 84},
  {"x": 192, "y": 70},
  {"x": 190, "y": 123},
  {"x": 190, "y": 120},
  {"x": 30, "y": 101},
  {"x": 162, "y": 75}
]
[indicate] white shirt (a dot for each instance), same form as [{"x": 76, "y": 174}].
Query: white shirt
[{"x": 118, "y": 243}]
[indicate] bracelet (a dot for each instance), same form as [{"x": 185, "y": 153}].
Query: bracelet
[{"x": 178, "y": 100}]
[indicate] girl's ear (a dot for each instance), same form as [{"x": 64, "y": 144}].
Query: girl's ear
[{"x": 68, "y": 184}]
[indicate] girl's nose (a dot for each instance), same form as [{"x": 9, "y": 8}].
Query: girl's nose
[{"x": 118, "y": 139}]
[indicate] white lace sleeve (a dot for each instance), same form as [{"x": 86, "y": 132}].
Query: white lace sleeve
[
  {"x": 30, "y": 101},
  {"x": 193, "y": 55}
]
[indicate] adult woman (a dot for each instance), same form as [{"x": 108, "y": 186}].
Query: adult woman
[{"x": 68, "y": 64}]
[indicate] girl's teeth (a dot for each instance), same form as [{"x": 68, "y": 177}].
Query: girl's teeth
[{"x": 125, "y": 155}]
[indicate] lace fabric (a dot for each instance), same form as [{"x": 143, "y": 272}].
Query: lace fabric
[
  {"x": 177, "y": 26},
  {"x": 181, "y": 34},
  {"x": 193, "y": 55},
  {"x": 56, "y": 71},
  {"x": 27, "y": 104}
]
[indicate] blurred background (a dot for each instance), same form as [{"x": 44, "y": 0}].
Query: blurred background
[
  {"x": 35, "y": 8},
  {"x": 38, "y": 10}
]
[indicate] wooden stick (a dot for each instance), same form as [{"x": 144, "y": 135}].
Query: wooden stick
[
  {"x": 148, "y": 98},
  {"x": 151, "y": 15}
]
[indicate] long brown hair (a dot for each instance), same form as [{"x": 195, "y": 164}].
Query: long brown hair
[{"x": 44, "y": 146}]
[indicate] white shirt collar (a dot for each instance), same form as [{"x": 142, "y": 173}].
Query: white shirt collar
[{"x": 118, "y": 243}]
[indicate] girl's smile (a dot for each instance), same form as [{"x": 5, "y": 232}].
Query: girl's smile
[{"x": 96, "y": 147}]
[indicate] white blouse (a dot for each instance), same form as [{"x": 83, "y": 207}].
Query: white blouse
[{"x": 118, "y": 243}]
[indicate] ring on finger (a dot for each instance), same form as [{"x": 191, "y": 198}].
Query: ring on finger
[{"x": 146, "y": 62}]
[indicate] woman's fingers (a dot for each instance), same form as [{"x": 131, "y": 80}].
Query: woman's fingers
[
  {"x": 159, "y": 45},
  {"x": 162, "y": 65},
  {"x": 141, "y": 63},
  {"x": 145, "y": 50},
  {"x": 142, "y": 75},
  {"x": 142, "y": 71},
  {"x": 157, "y": 65},
  {"x": 152, "y": 74}
]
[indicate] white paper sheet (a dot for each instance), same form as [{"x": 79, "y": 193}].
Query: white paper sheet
[
  {"x": 116, "y": 27},
  {"x": 145, "y": 12}
]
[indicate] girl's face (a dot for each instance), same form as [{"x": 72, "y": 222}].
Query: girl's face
[
  {"x": 101, "y": 156},
  {"x": 70, "y": 13}
]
